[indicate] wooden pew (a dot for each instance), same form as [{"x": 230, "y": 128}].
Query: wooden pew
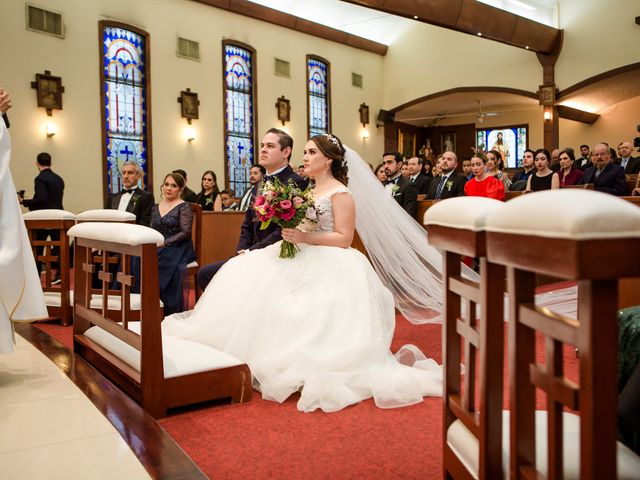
[
  {"x": 157, "y": 370},
  {"x": 220, "y": 234},
  {"x": 596, "y": 254}
]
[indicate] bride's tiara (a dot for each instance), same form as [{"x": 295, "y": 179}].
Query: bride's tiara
[{"x": 332, "y": 139}]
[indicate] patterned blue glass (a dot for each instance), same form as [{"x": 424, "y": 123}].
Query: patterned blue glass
[
  {"x": 125, "y": 109},
  {"x": 317, "y": 87},
  {"x": 239, "y": 116}
]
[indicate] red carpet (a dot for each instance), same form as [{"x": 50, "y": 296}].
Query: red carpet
[{"x": 269, "y": 440}]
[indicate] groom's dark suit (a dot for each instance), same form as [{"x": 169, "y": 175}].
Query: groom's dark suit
[
  {"x": 405, "y": 193},
  {"x": 140, "y": 204},
  {"x": 251, "y": 237}
]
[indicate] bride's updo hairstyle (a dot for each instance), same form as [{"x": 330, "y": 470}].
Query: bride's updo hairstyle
[{"x": 332, "y": 148}]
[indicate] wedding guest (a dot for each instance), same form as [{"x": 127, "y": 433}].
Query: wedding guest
[
  {"x": 229, "y": 203},
  {"x": 301, "y": 172},
  {"x": 256, "y": 172},
  {"x": 544, "y": 178},
  {"x": 482, "y": 184},
  {"x": 605, "y": 175},
  {"x": 380, "y": 173},
  {"x": 450, "y": 183},
  {"x": 404, "y": 170},
  {"x": 437, "y": 167},
  {"x": 467, "y": 171},
  {"x": 584, "y": 161},
  {"x": 569, "y": 174},
  {"x": 209, "y": 196},
  {"x": 172, "y": 217},
  {"x": 187, "y": 194},
  {"x": 630, "y": 164},
  {"x": 427, "y": 168},
  {"x": 495, "y": 165},
  {"x": 274, "y": 155},
  {"x": 555, "y": 160},
  {"x": 522, "y": 177},
  {"x": 402, "y": 190},
  {"x": 132, "y": 198},
  {"x": 416, "y": 176}
]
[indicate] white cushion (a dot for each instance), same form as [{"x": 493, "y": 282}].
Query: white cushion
[
  {"x": 568, "y": 213},
  {"x": 465, "y": 446},
  {"x": 179, "y": 356},
  {"x": 126, "y": 233},
  {"x": 105, "y": 215},
  {"x": 52, "y": 299},
  {"x": 49, "y": 214},
  {"x": 113, "y": 301},
  {"x": 462, "y": 212}
]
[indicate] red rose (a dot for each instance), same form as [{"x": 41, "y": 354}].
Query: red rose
[
  {"x": 259, "y": 201},
  {"x": 285, "y": 204},
  {"x": 288, "y": 214}
]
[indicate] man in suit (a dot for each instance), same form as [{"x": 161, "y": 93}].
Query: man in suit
[
  {"x": 275, "y": 152},
  {"x": 48, "y": 192},
  {"x": 419, "y": 179},
  {"x": 450, "y": 183},
  {"x": 605, "y": 175},
  {"x": 625, "y": 160},
  {"x": 187, "y": 194},
  {"x": 256, "y": 172},
  {"x": 132, "y": 198},
  {"x": 400, "y": 187},
  {"x": 584, "y": 161}
]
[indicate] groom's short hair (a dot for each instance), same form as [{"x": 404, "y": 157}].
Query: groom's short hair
[
  {"x": 398, "y": 157},
  {"x": 284, "y": 139}
]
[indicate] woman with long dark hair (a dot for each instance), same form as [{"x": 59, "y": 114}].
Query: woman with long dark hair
[{"x": 209, "y": 197}]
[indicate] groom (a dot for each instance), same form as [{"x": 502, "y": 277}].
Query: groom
[{"x": 275, "y": 152}]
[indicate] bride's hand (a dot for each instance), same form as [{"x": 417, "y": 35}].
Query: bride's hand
[{"x": 293, "y": 235}]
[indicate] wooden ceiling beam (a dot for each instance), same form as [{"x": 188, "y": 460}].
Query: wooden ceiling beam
[
  {"x": 576, "y": 114},
  {"x": 472, "y": 17},
  {"x": 276, "y": 17}
]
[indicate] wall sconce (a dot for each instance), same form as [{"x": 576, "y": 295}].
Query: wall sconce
[
  {"x": 365, "y": 133},
  {"x": 50, "y": 129},
  {"x": 190, "y": 134},
  {"x": 547, "y": 115}
]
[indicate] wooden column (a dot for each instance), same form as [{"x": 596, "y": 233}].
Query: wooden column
[{"x": 547, "y": 94}]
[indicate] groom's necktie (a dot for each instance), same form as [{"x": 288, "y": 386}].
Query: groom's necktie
[{"x": 443, "y": 179}]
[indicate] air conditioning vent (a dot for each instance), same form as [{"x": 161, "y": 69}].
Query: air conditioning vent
[
  {"x": 44, "y": 21},
  {"x": 356, "y": 80},
  {"x": 282, "y": 68},
  {"x": 188, "y": 49}
]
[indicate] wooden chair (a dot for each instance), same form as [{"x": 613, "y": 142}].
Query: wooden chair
[
  {"x": 196, "y": 238},
  {"x": 596, "y": 241},
  {"x": 58, "y": 298},
  {"x": 472, "y": 427},
  {"x": 157, "y": 370}
]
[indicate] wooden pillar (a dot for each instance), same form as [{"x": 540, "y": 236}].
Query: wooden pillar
[{"x": 547, "y": 96}]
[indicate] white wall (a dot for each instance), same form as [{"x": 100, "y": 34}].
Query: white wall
[{"x": 76, "y": 149}]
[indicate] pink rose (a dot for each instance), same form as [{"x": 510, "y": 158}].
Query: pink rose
[
  {"x": 288, "y": 214},
  {"x": 269, "y": 211},
  {"x": 269, "y": 195},
  {"x": 285, "y": 204},
  {"x": 297, "y": 201},
  {"x": 259, "y": 200}
]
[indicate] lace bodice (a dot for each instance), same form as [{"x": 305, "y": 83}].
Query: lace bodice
[{"x": 324, "y": 209}]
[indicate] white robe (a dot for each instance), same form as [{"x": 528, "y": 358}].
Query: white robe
[{"x": 21, "y": 297}]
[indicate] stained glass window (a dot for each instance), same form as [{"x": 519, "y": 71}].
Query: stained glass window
[
  {"x": 124, "y": 77},
  {"x": 318, "y": 92},
  {"x": 510, "y": 141},
  {"x": 239, "y": 114}
]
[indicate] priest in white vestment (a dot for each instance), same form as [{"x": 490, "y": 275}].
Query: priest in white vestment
[{"x": 21, "y": 297}]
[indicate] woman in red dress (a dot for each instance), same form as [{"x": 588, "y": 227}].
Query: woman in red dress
[{"x": 482, "y": 184}]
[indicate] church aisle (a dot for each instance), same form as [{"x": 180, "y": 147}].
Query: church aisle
[{"x": 50, "y": 429}]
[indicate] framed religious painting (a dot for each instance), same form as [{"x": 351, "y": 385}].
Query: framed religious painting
[
  {"x": 406, "y": 143},
  {"x": 448, "y": 142},
  {"x": 283, "y": 107},
  {"x": 49, "y": 91},
  {"x": 189, "y": 105}
]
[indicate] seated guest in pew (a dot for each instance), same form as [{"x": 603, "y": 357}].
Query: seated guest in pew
[
  {"x": 380, "y": 173},
  {"x": 419, "y": 179},
  {"x": 605, "y": 175},
  {"x": 569, "y": 174},
  {"x": 132, "y": 198},
  {"x": 450, "y": 183},
  {"x": 630, "y": 164},
  {"x": 495, "y": 167},
  {"x": 528, "y": 168},
  {"x": 467, "y": 171},
  {"x": 187, "y": 195},
  {"x": 274, "y": 155},
  {"x": 172, "y": 217},
  {"x": 584, "y": 161},
  {"x": 483, "y": 184},
  {"x": 256, "y": 172},
  {"x": 229, "y": 203},
  {"x": 209, "y": 197},
  {"x": 544, "y": 178},
  {"x": 399, "y": 186}
]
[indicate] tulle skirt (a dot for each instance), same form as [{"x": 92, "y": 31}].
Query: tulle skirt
[{"x": 320, "y": 323}]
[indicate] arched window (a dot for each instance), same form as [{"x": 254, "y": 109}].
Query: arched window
[
  {"x": 239, "y": 113},
  {"x": 318, "y": 96},
  {"x": 126, "y": 118}
]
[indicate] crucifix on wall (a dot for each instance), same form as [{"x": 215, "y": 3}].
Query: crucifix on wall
[{"x": 189, "y": 104}]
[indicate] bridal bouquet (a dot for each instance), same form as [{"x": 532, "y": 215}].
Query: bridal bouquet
[{"x": 286, "y": 205}]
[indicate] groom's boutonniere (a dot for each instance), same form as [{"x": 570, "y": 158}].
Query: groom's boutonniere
[
  {"x": 394, "y": 189},
  {"x": 449, "y": 184}
]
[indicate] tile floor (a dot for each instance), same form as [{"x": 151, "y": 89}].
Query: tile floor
[{"x": 50, "y": 429}]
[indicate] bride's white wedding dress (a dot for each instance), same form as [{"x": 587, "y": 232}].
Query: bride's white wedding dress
[{"x": 320, "y": 323}]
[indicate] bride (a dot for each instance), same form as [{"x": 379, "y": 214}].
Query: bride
[{"x": 322, "y": 322}]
